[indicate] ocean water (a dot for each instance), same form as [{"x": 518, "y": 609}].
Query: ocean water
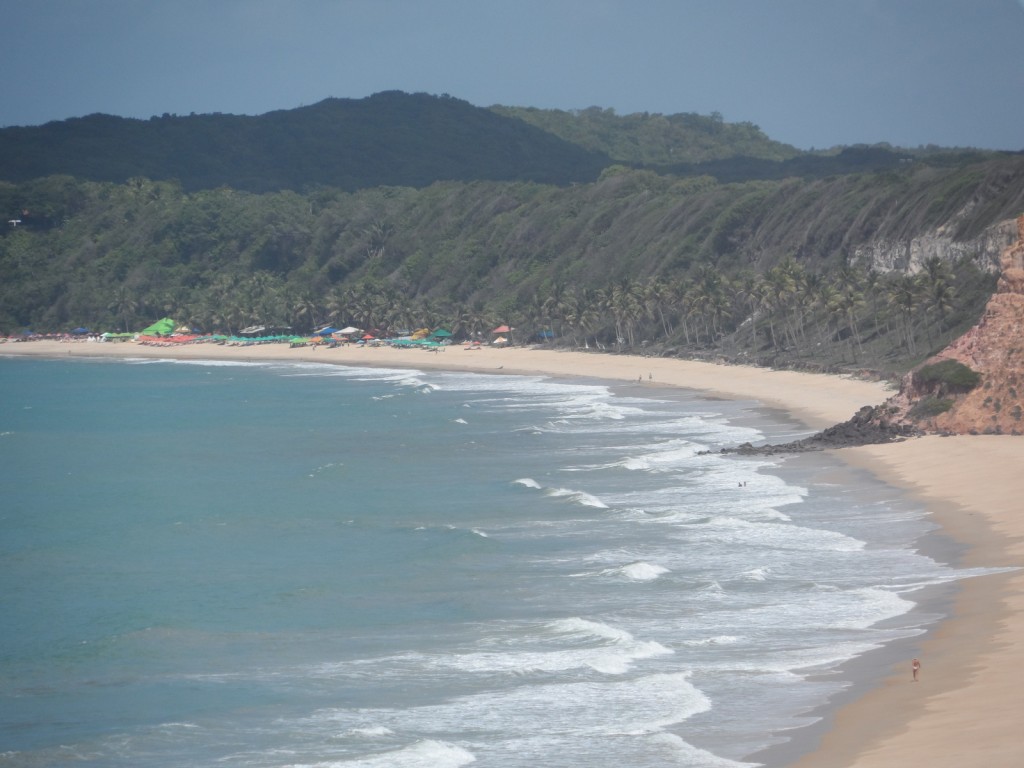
[{"x": 211, "y": 564}]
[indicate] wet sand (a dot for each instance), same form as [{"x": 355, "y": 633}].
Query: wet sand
[{"x": 962, "y": 711}]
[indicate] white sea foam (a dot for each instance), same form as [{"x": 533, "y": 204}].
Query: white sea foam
[
  {"x": 580, "y": 497},
  {"x": 428, "y": 753},
  {"x": 756, "y": 574},
  {"x": 570, "y": 644},
  {"x": 442, "y": 644},
  {"x": 642, "y": 571},
  {"x": 178, "y": 726},
  {"x": 665, "y": 459},
  {"x": 778, "y": 535},
  {"x": 561, "y": 645},
  {"x": 867, "y": 606},
  {"x": 589, "y": 629},
  {"x": 570, "y": 723},
  {"x": 684, "y": 753},
  {"x": 370, "y": 732},
  {"x": 717, "y": 640}
]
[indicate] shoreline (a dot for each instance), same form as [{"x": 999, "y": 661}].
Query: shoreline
[
  {"x": 814, "y": 399},
  {"x": 962, "y": 710}
]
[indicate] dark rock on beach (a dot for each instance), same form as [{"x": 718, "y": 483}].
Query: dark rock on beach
[{"x": 867, "y": 427}]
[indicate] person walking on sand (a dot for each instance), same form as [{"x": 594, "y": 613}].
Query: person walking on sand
[{"x": 915, "y": 667}]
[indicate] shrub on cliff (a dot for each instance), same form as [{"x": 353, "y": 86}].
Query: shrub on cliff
[
  {"x": 929, "y": 407},
  {"x": 946, "y": 376}
]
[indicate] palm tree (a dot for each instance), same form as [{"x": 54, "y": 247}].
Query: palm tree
[
  {"x": 580, "y": 313},
  {"x": 304, "y": 311},
  {"x": 903, "y": 298},
  {"x": 937, "y": 287},
  {"x": 849, "y": 301},
  {"x": 778, "y": 291},
  {"x": 827, "y": 302},
  {"x": 552, "y": 308},
  {"x": 657, "y": 298},
  {"x": 336, "y": 303},
  {"x": 801, "y": 294},
  {"x": 625, "y": 306},
  {"x": 942, "y": 296},
  {"x": 870, "y": 285},
  {"x": 377, "y": 236},
  {"x": 706, "y": 298},
  {"x": 123, "y": 304}
]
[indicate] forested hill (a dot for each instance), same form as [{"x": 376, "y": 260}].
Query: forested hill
[
  {"x": 409, "y": 140},
  {"x": 650, "y": 139},
  {"x": 678, "y": 235},
  {"x": 388, "y": 139}
]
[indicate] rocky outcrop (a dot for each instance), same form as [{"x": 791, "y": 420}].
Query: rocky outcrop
[
  {"x": 868, "y": 427},
  {"x": 994, "y": 348},
  {"x": 910, "y": 255}
]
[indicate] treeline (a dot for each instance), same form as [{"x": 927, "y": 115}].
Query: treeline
[
  {"x": 772, "y": 271},
  {"x": 414, "y": 140},
  {"x": 654, "y": 140},
  {"x": 388, "y": 139}
]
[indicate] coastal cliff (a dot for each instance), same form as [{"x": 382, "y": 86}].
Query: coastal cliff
[
  {"x": 993, "y": 349},
  {"x": 973, "y": 386}
]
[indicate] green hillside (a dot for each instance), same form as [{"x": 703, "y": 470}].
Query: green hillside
[
  {"x": 646, "y": 139},
  {"x": 389, "y": 138},
  {"x": 865, "y": 257},
  {"x": 765, "y": 271}
]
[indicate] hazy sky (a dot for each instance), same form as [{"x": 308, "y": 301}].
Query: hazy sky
[{"x": 813, "y": 73}]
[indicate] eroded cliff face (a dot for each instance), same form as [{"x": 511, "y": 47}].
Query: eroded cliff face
[
  {"x": 910, "y": 255},
  {"x": 993, "y": 348}
]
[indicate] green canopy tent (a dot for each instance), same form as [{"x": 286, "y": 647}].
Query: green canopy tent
[{"x": 164, "y": 327}]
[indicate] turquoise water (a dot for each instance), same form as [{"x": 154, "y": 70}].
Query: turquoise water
[{"x": 284, "y": 565}]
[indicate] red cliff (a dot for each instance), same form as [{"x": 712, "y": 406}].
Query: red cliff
[{"x": 994, "y": 348}]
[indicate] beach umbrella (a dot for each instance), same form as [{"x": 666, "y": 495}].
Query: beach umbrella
[
  {"x": 502, "y": 329},
  {"x": 162, "y": 327}
]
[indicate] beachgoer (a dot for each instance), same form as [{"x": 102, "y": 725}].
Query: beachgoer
[{"x": 915, "y": 667}]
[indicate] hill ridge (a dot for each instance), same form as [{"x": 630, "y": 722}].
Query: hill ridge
[{"x": 387, "y": 139}]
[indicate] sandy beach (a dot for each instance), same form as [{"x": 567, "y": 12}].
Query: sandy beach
[{"x": 962, "y": 710}]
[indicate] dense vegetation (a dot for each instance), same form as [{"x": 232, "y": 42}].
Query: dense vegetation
[
  {"x": 387, "y": 139},
  {"x": 772, "y": 271},
  {"x": 947, "y": 376},
  {"x": 397, "y": 139},
  {"x": 654, "y": 140}
]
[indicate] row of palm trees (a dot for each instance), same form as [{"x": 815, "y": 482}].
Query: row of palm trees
[{"x": 788, "y": 307}]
